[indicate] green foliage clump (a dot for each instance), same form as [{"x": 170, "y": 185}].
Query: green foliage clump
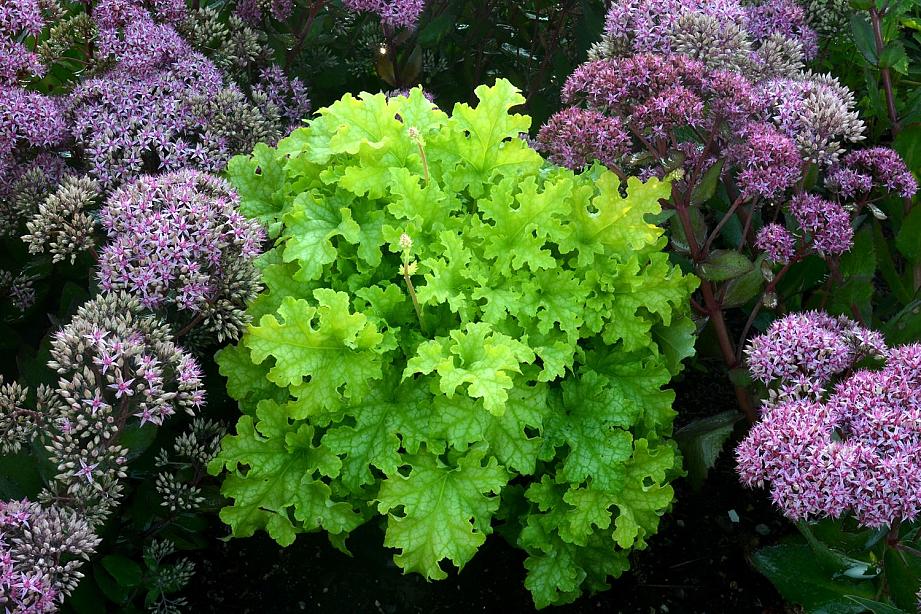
[{"x": 458, "y": 337}]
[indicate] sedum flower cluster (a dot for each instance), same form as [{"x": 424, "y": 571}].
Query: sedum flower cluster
[
  {"x": 118, "y": 371},
  {"x": 41, "y": 551},
  {"x": 393, "y": 13},
  {"x": 178, "y": 243},
  {"x": 150, "y": 100},
  {"x": 835, "y": 437},
  {"x": 165, "y": 106}
]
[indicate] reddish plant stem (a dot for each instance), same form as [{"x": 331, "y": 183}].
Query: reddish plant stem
[
  {"x": 770, "y": 287},
  {"x": 875, "y": 18},
  {"x": 711, "y": 306},
  {"x": 302, "y": 34},
  {"x": 722, "y": 222},
  {"x": 895, "y": 124},
  {"x": 188, "y": 327}
]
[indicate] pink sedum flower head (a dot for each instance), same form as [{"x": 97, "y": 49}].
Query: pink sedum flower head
[
  {"x": 177, "y": 241},
  {"x": 394, "y": 13},
  {"x": 781, "y": 17},
  {"x": 826, "y": 222},
  {"x": 776, "y": 242},
  {"x": 576, "y": 137},
  {"x": 812, "y": 345},
  {"x": 769, "y": 162},
  {"x": 863, "y": 170},
  {"x": 41, "y": 551},
  {"x": 855, "y": 450}
]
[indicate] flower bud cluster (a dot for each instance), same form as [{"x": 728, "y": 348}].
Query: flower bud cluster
[
  {"x": 230, "y": 43},
  {"x": 25, "y": 187},
  {"x": 19, "y": 289},
  {"x": 41, "y": 551},
  {"x": 64, "y": 225},
  {"x": 118, "y": 370},
  {"x": 178, "y": 482}
]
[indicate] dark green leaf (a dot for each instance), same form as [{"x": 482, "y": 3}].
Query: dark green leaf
[
  {"x": 138, "y": 438},
  {"x": 908, "y": 240},
  {"x": 905, "y": 326},
  {"x": 706, "y": 187},
  {"x": 792, "y": 569},
  {"x": 834, "y": 560},
  {"x": 894, "y": 57},
  {"x": 19, "y": 477},
  {"x": 862, "y": 32},
  {"x": 744, "y": 288},
  {"x": 886, "y": 264},
  {"x": 877, "y": 607},
  {"x": 109, "y": 587},
  {"x": 903, "y": 575},
  {"x": 699, "y": 226},
  {"x": 725, "y": 264},
  {"x": 740, "y": 376},
  {"x": 908, "y": 144},
  {"x": 702, "y": 441},
  {"x": 125, "y": 571},
  {"x": 87, "y": 599}
]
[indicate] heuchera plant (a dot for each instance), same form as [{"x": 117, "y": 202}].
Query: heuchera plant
[
  {"x": 458, "y": 337},
  {"x": 838, "y": 445}
]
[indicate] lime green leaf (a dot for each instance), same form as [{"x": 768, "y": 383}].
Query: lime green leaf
[
  {"x": 523, "y": 218},
  {"x": 326, "y": 344},
  {"x": 280, "y": 461},
  {"x": 446, "y": 511},
  {"x": 616, "y": 223},
  {"x": 466, "y": 422},
  {"x": 448, "y": 279},
  {"x": 372, "y": 441},
  {"x": 309, "y": 227},
  {"x": 477, "y": 356},
  {"x": 444, "y": 312},
  {"x": 642, "y": 505},
  {"x": 491, "y": 143},
  {"x": 246, "y": 382},
  {"x": 261, "y": 182}
]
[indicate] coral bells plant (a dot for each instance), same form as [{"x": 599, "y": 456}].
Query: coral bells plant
[
  {"x": 769, "y": 182},
  {"x": 838, "y": 439},
  {"x": 447, "y": 313}
]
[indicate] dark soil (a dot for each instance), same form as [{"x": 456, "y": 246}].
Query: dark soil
[{"x": 696, "y": 563}]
